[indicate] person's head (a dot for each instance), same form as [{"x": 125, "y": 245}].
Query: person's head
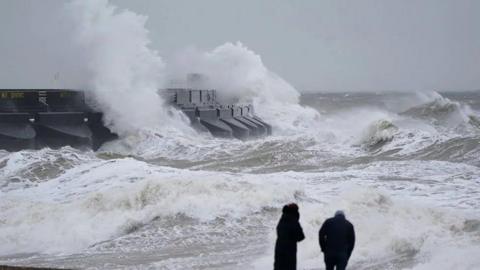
[
  {"x": 339, "y": 213},
  {"x": 291, "y": 209}
]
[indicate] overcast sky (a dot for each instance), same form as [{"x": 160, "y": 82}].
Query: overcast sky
[{"x": 315, "y": 45}]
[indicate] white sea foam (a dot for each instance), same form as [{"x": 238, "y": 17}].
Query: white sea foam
[
  {"x": 93, "y": 201},
  {"x": 99, "y": 200}
]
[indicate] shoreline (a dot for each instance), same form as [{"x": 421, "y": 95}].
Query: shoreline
[{"x": 8, "y": 267}]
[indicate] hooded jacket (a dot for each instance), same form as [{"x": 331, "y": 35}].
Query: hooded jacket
[{"x": 289, "y": 232}]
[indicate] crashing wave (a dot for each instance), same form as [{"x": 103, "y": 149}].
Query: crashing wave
[
  {"x": 379, "y": 133},
  {"x": 442, "y": 111},
  {"x": 474, "y": 121}
]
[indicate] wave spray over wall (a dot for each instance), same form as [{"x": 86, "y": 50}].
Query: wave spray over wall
[
  {"x": 240, "y": 75},
  {"x": 125, "y": 74}
]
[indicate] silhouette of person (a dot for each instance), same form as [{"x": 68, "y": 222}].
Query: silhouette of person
[
  {"x": 337, "y": 239},
  {"x": 289, "y": 232}
]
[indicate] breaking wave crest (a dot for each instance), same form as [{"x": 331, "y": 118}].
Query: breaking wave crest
[
  {"x": 434, "y": 128},
  {"x": 379, "y": 133},
  {"x": 442, "y": 111},
  {"x": 94, "y": 202},
  {"x": 316, "y": 139}
]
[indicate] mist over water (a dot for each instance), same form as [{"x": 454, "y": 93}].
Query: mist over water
[{"x": 403, "y": 166}]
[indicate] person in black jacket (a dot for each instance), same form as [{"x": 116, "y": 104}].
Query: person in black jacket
[
  {"x": 289, "y": 232},
  {"x": 337, "y": 239}
]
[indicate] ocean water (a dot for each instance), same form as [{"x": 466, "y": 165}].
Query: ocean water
[{"x": 403, "y": 166}]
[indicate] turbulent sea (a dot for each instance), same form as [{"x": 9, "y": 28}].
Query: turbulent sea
[{"x": 405, "y": 168}]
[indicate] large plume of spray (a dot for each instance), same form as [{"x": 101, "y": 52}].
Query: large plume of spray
[
  {"x": 124, "y": 73},
  {"x": 239, "y": 75},
  {"x": 238, "y": 72}
]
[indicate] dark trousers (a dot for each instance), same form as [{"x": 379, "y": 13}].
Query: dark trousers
[
  {"x": 338, "y": 260},
  {"x": 285, "y": 260}
]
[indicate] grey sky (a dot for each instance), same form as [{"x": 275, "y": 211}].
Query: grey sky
[{"x": 315, "y": 45}]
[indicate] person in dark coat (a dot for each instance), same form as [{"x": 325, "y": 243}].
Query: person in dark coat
[
  {"x": 289, "y": 232},
  {"x": 337, "y": 239}
]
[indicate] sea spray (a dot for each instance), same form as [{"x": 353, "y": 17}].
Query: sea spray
[
  {"x": 236, "y": 71},
  {"x": 239, "y": 75},
  {"x": 125, "y": 73}
]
